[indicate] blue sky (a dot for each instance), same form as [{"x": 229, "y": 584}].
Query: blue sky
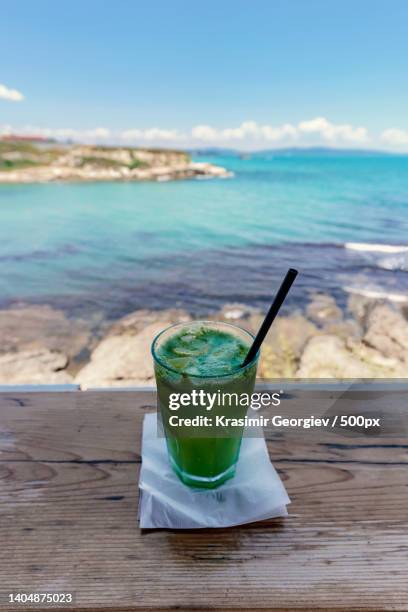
[{"x": 245, "y": 74}]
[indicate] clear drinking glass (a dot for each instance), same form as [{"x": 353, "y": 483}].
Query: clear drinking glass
[{"x": 203, "y": 456}]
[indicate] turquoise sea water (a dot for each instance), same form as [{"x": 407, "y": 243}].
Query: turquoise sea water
[{"x": 112, "y": 248}]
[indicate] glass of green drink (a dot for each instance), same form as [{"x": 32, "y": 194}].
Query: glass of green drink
[{"x": 203, "y": 357}]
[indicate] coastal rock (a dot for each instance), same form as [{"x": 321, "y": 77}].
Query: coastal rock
[
  {"x": 40, "y": 366},
  {"x": 387, "y": 331},
  {"x": 236, "y": 312},
  {"x": 94, "y": 163},
  {"x": 359, "y": 306},
  {"x": 45, "y": 174},
  {"x": 122, "y": 360},
  {"x": 283, "y": 345},
  {"x": 323, "y": 309},
  {"x": 381, "y": 365},
  {"x": 123, "y": 357},
  {"x": 327, "y": 357},
  {"x": 137, "y": 321},
  {"x": 331, "y": 357},
  {"x": 348, "y": 328},
  {"x": 206, "y": 169},
  {"x": 40, "y": 345},
  {"x": 41, "y": 327}
]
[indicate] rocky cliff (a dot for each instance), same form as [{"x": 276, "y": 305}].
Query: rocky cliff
[
  {"x": 30, "y": 163},
  {"x": 41, "y": 346}
]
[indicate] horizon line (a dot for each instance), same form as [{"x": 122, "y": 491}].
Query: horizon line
[{"x": 38, "y": 139}]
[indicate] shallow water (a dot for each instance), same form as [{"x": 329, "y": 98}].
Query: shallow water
[{"x": 112, "y": 248}]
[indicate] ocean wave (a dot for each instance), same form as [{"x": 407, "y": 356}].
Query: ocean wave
[
  {"x": 377, "y": 294},
  {"x": 375, "y": 248},
  {"x": 398, "y": 262}
]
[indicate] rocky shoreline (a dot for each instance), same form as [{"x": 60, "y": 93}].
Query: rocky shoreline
[
  {"x": 40, "y": 345},
  {"x": 81, "y": 163}
]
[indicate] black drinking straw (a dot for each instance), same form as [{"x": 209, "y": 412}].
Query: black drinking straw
[{"x": 273, "y": 311}]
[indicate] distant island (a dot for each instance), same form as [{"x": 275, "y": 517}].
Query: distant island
[
  {"x": 295, "y": 151},
  {"x": 24, "y": 161}
]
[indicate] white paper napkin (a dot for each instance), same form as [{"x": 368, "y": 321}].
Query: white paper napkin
[{"x": 254, "y": 494}]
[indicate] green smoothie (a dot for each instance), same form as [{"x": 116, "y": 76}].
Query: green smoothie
[
  {"x": 203, "y": 357},
  {"x": 202, "y": 351}
]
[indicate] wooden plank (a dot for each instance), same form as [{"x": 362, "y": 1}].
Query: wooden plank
[
  {"x": 69, "y": 466},
  {"x": 37, "y": 388}
]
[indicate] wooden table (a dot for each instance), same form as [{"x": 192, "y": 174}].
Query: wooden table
[{"x": 69, "y": 468}]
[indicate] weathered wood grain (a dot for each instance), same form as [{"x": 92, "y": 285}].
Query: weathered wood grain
[{"x": 69, "y": 467}]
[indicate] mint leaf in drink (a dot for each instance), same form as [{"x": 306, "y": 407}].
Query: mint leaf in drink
[{"x": 203, "y": 351}]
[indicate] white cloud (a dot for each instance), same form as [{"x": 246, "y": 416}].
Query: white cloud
[
  {"x": 252, "y": 131},
  {"x": 132, "y": 134},
  {"x": 60, "y": 133},
  {"x": 151, "y": 135},
  {"x": 248, "y": 130},
  {"x": 395, "y": 137},
  {"x": 204, "y": 132},
  {"x": 10, "y": 94},
  {"x": 248, "y": 135},
  {"x": 332, "y": 132},
  {"x": 158, "y": 134},
  {"x": 92, "y": 135},
  {"x": 277, "y": 133},
  {"x": 99, "y": 132},
  {"x": 5, "y": 130}
]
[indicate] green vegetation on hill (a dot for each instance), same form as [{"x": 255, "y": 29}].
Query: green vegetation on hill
[
  {"x": 101, "y": 162},
  {"x": 16, "y": 155},
  {"x": 137, "y": 163},
  {"x": 8, "y": 164},
  {"x": 105, "y": 162}
]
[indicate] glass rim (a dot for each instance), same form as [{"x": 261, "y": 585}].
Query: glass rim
[{"x": 157, "y": 359}]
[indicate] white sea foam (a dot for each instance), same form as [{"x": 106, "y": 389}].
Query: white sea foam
[
  {"x": 396, "y": 262},
  {"x": 376, "y": 248},
  {"x": 377, "y": 294}
]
